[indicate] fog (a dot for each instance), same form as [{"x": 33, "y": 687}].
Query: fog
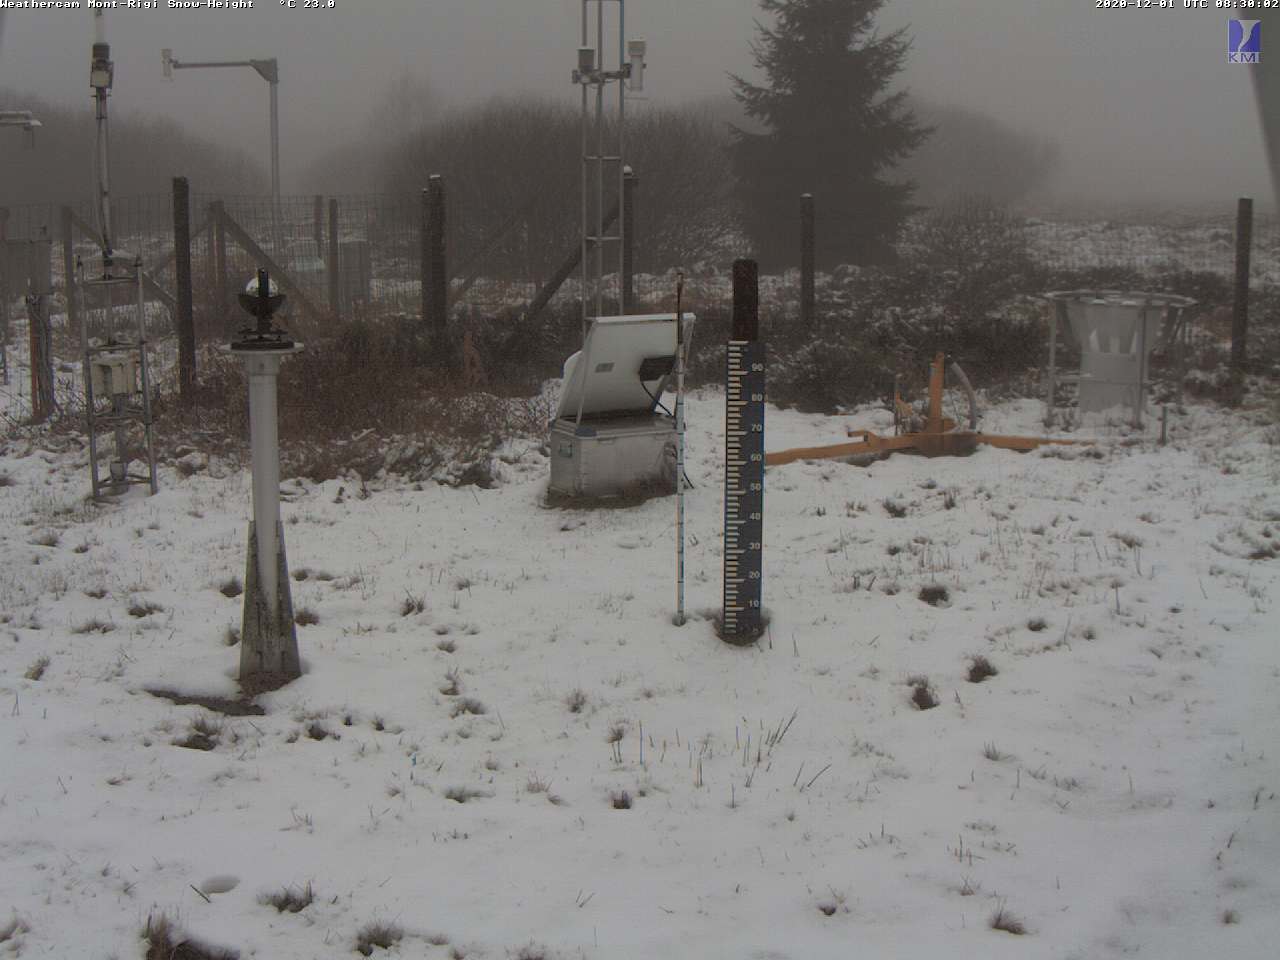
[{"x": 1142, "y": 102}]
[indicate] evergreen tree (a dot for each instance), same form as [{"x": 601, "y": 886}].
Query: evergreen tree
[{"x": 829, "y": 128}]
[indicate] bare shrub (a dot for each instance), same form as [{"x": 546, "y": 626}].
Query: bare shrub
[
  {"x": 37, "y": 669},
  {"x": 620, "y": 800},
  {"x": 49, "y": 538},
  {"x": 412, "y": 604},
  {"x": 144, "y": 608},
  {"x": 468, "y": 705}
]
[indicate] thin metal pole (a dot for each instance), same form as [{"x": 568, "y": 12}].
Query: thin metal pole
[
  {"x": 622, "y": 167},
  {"x": 1142, "y": 368},
  {"x": 600, "y": 133},
  {"x": 586, "y": 267},
  {"x": 274, "y": 85},
  {"x": 145, "y": 374},
  {"x": 1054, "y": 319},
  {"x": 679, "y": 450}
]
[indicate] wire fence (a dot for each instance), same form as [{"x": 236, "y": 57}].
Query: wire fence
[{"x": 499, "y": 258}]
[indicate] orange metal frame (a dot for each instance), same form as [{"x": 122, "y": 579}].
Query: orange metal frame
[{"x": 938, "y": 438}]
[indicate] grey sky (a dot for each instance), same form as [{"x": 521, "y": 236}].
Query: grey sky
[{"x": 1143, "y": 101}]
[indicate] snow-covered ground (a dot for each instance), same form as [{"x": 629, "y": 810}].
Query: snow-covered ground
[{"x": 1113, "y": 786}]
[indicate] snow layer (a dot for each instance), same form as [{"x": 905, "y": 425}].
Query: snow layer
[{"x": 1113, "y": 786}]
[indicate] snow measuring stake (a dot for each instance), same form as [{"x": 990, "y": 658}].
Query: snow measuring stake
[{"x": 744, "y": 462}]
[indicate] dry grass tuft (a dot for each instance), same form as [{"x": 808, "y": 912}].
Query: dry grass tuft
[
  {"x": 894, "y": 507},
  {"x": 990, "y": 751},
  {"x": 37, "y": 669},
  {"x": 1228, "y": 917},
  {"x": 306, "y": 617},
  {"x": 13, "y": 929},
  {"x": 980, "y": 668},
  {"x": 379, "y": 933},
  {"x": 412, "y": 604},
  {"x": 231, "y": 587},
  {"x": 1002, "y": 919},
  {"x": 290, "y": 899},
  {"x": 1036, "y": 624},
  {"x": 922, "y": 693},
  {"x": 144, "y": 608},
  {"x": 576, "y": 700},
  {"x": 94, "y": 625},
  {"x": 166, "y": 942},
  {"x": 50, "y": 538},
  {"x": 463, "y": 794},
  {"x": 934, "y": 595},
  {"x": 620, "y": 800},
  {"x": 469, "y": 705}
]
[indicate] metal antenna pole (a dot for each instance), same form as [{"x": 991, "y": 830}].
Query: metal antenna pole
[{"x": 100, "y": 76}]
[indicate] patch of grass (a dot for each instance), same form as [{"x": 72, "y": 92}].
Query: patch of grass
[
  {"x": 50, "y": 538},
  {"x": 96, "y": 593},
  {"x": 318, "y": 731},
  {"x": 452, "y": 685},
  {"x": 306, "y": 617},
  {"x": 990, "y": 751},
  {"x": 469, "y": 705},
  {"x": 166, "y": 942},
  {"x": 204, "y": 734},
  {"x": 37, "y": 669},
  {"x": 620, "y": 800},
  {"x": 922, "y": 693},
  {"x": 1036, "y": 624},
  {"x": 1228, "y": 917},
  {"x": 463, "y": 794},
  {"x": 412, "y": 604},
  {"x": 532, "y": 951},
  {"x": 934, "y": 594},
  {"x": 231, "y": 587},
  {"x": 290, "y": 899},
  {"x": 447, "y": 646},
  {"x": 980, "y": 668},
  {"x": 144, "y": 608},
  {"x": 894, "y": 507},
  {"x": 6, "y": 480},
  {"x": 576, "y": 700},
  {"x": 94, "y": 625},
  {"x": 1002, "y": 919},
  {"x": 231, "y": 635},
  {"x": 379, "y": 933}
]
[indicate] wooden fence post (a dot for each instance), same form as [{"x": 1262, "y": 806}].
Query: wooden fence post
[
  {"x": 335, "y": 267},
  {"x": 1240, "y": 308},
  {"x": 806, "y": 259},
  {"x": 437, "y": 303},
  {"x": 69, "y": 271}
]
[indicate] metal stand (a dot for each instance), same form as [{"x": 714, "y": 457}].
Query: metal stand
[
  {"x": 117, "y": 389},
  {"x": 268, "y": 638}
]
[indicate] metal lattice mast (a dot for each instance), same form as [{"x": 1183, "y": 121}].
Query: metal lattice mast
[{"x": 600, "y": 146}]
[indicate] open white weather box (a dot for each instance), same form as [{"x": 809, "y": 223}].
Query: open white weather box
[{"x": 612, "y": 435}]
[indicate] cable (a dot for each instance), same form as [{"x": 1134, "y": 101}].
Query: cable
[{"x": 656, "y": 401}]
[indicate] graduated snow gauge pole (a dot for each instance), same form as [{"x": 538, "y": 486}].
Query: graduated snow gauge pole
[
  {"x": 680, "y": 450},
  {"x": 744, "y": 462},
  {"x": 268, "y": 638}
]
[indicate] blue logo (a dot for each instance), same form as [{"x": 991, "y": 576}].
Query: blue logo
[{"x": 1244, "y": 41}]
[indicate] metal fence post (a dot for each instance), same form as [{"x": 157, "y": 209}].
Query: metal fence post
[
  {"x": 182, "y": 275},
  {"x": 806, "y": 259},
  {"x": 335, "y": 266},
  {"x": 437, "y": 277},
  {"x": 629, "y": 181},
  {"x": 69, "y": 270},
  {"x": 222, "y": 293},
  {"x": 317, "y": 222},
  {"x": 1240, "y": 307}
]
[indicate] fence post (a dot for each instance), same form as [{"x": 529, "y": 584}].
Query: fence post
[
  {"x": 437, "y": 302},
  {"x": 4, "y": 295},
  {"x": 69, "y": 270},
  {"x": 223, "y": 299},
  {"x": 38, "y": 290},
  {"x": 317, "y": 217},
  {"x": 629, "y": 181},
  {"x": 806, "y": 259},
  {"x": 182, "y": 277},
  {"x": 1240, "y": 309},
  {"x": 335, "y": 277}
]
